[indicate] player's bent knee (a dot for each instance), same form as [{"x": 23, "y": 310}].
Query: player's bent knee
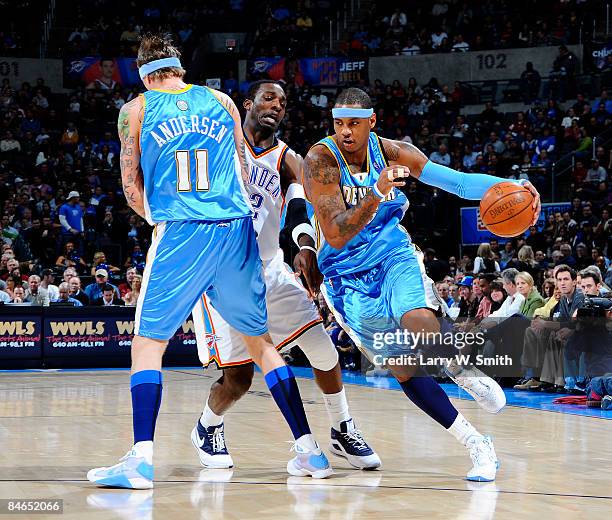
[
  {"x": 318, "y": 348},
  {"x": 238, "y": 379},
  {"x": 420, "y": 319}
]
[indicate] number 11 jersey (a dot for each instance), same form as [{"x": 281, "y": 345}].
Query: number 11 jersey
[{"x": 190, "y": 165}]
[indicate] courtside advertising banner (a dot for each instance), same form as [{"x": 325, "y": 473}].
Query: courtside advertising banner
[
  {"x": 331, "y": 72},
  {"x": 101, "y": 73},
  {"x": 474, "y": 232},
  {"x": 20, "y": 334}
]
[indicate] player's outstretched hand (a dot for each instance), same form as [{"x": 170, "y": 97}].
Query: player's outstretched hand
[
  {"x": 305, "y": 264},
  {"x": 537, "y": 205},
  {"x": 392, "y": 177}
]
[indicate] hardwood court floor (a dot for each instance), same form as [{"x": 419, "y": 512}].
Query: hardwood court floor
[{"x": 54, "y": 426}]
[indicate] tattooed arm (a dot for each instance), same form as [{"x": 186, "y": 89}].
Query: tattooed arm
[
  {"x": 230, "y": 106},
  {"x": 322, "y": 184},
  {"x": 128, "y": 126}
]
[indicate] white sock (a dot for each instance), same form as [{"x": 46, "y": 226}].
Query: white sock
[
  {"x": 462, "y": 430},
  {"x": 145, "y": 449},
  {"x": 307, "y": 442},
  {"x": 337, "y": 409},
  {"x": 210, "y": 418}
]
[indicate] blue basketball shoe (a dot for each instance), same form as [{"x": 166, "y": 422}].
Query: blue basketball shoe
[
  {"x": 309, "y": 462},
  {"x": 210, "y": 445},
  {"x": 350, "y": 444},
  {"x": 133, "y": 471}
]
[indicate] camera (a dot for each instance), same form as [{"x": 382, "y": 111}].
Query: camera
[{"x": 592, "y": 314}]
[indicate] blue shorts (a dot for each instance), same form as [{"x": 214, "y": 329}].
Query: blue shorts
[
  {"x": 374, "y": 301},
  {"x": 189, "y": 258}
]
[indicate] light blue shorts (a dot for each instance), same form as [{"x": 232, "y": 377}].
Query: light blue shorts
[
  {"x": 189, "y": 258},
  {"x": 374, "y": 301}
]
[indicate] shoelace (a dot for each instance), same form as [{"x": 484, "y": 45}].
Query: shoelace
[
  {"x": 355, "y": 439},
  {"x": 217, "y": 439},
  {"x": 480, "y": 453}
]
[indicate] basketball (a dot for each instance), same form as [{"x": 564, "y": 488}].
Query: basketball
[{"x": 506, "y": 209}]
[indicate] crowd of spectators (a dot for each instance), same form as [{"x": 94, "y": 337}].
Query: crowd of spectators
[{"x": 458, "y": 26}]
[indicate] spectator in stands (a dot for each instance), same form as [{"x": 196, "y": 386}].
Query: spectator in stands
[
  {"x": 460, "y": 45},
  {"x": 71, "y": 219},
  {"x": 544, "y": 340},
  {"x": 68, "y": 274},
  {"x": 533, "y": 300},
  {"x": 511, "y": 304},
  {"x": 35, "y": 294},
  {"x": 99, "y": 262},
  {"x": 94, "y": 290},
  {"x": 530, "y": 83},
  {"x": 19, "y": 296},
  {"x": 485, "y": 261},
  {"x": 485, "y": 305},
  {"x": 444, "y": 293},
  {"x": 64, "y": 295},
  {"x": 70, "y": 257},
  {"x": 108, "y": 297},
  {"x": 46, "y": 282},
  {"x": 441, "y": 156},
  {"x": 126, "y": 286},
  {"x": 596, "y": 173},
  {"x": 131, "y": 297},
  {"x": 76, "y": 292},
  {"x": 468, "y": 302},
  {"x": 439, "y": 39}
]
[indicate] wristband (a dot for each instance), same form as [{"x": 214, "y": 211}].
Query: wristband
[
  {"x": 377, "y": 192},
  {"x": 310, "y": 248},
  {"x": 303, "y": 229}
]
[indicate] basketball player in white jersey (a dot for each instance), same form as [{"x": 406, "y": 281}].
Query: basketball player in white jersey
[{"x": 274, "y": 170}]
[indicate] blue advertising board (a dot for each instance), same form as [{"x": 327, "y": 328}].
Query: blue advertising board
[
  {"x": 474, "y": 232},
  {"x": 330, "y": 72}
]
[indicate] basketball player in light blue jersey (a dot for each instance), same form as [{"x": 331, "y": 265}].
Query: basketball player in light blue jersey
[
  {"x": 375, "y": 281},
  {"x": 189, "y": 142}
]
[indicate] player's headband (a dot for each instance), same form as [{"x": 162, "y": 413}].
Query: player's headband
[
  {"x": 358, "y": 113},
  {"x": 152, "y": 66}
]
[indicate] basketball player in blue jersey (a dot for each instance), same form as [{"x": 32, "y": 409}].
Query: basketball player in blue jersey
[
  {"x": 375, "y": 281},
  {"x": 273, "y": 183},
  {"x": 189, "y": 142}
]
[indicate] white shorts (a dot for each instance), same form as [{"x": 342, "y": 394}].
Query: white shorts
[{"x": 291, "y": 313}]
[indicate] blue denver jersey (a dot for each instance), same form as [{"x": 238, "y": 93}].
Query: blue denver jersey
[
  {"x": 382, "y": 234},
  {"x": 188, "y": 156}
]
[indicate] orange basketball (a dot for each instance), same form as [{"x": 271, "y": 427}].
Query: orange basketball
[{"x": 506, "y": 209}]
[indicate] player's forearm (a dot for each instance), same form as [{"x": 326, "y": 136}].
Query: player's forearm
[
  {"x": 472, "y": 186},
  {"x": 133, "y": 192},
  {"x": 345, "y": 225}
]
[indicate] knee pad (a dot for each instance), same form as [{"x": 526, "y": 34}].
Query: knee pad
[{"x": 317, "y": 346}]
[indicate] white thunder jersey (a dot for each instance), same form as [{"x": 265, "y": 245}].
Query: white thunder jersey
[{"x": 265, "y": 195}]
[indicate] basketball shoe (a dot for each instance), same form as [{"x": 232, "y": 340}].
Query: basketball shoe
[
  {"x": 484, "y": 459},
  {"x": 210, "y": 445},
  {"x": 308, "y": 462},
  {"x": 485, "y": 391},
  {"x": 350, "y": 444},
  {"x": 134, "y": 471}
]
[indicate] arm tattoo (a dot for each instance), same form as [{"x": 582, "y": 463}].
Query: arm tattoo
[
  {"x": 123, "y": 125},
  {"x": 320, "y": 168},
  {"x": 240, "y": 147},
  {"x": 391, "y": 149},
  {"x": 343, "y": 224}
]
